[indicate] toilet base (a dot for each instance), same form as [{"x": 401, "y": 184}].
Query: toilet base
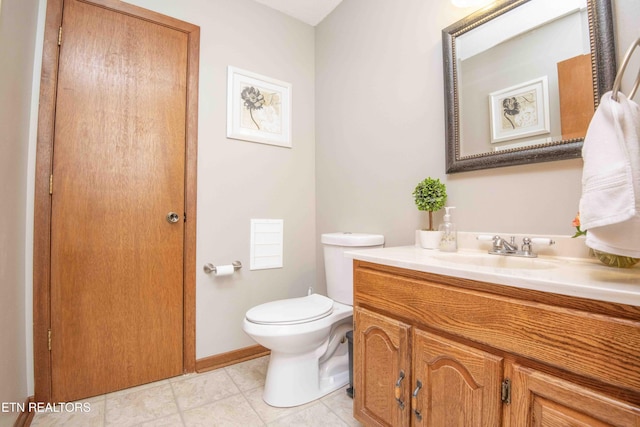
[{"x": 296, "y": 379}]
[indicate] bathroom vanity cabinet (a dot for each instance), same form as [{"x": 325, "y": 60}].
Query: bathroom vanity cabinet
[{"x": 434, "y": 350}]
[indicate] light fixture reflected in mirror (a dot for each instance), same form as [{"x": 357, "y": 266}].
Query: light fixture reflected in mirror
[{"x": 470, "y": 3}]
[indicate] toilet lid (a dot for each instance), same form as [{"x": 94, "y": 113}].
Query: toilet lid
[{"x": 292, "y": 310}]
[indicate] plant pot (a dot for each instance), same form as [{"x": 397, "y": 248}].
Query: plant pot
[
  {"x": 430, "y": 239},
  {"x": 619, "y": 261}
]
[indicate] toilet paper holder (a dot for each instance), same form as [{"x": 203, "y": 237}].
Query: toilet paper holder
[{"x": 210, "y": 268}]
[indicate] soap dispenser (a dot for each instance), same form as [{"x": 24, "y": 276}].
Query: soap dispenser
[{"x": 449, "y": 240}]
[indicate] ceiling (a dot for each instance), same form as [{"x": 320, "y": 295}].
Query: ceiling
[{"x": 311, "y": 12}]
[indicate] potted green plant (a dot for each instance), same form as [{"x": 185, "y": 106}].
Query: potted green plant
[{"x": 430, "y": 195}]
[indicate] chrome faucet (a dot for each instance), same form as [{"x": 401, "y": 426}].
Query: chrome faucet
[{"x": 502, "y": 247}]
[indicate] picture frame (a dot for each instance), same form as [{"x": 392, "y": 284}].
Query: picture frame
[
  {"x": 258, "y": 108},
  {"x": 520, "y": 111}
]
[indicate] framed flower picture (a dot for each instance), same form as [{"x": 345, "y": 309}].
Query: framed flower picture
[
  {"x": 258, "y": 108},
  {"x": 520, "y": 111}
]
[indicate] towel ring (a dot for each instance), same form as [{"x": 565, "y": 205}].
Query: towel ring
[{"x": 618, "y": 80}]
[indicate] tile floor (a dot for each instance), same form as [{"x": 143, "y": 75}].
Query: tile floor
[{"x": 230, "y": 396}]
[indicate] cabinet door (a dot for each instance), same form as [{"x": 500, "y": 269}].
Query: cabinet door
[
  {"x": 454, "y": 384},
  {"x": 541, "y": 400},
  {"x": 381, "y": 377}
]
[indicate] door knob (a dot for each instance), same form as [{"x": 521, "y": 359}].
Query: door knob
[{"x": 173, "y": 217}]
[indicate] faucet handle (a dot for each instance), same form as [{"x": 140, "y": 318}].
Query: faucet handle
[
  {"x": 542, "y": 241},
  {"x": 495, "y": 240},
  {"x": 527, "y": 242}
]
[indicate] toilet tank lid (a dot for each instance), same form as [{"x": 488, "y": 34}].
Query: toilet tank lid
[{"x": 352, "y": 239}]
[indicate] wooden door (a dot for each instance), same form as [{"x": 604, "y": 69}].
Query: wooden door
[
  {"x": 575, "y": 90},
  {"x": 541, "y": 400},
  {"x": 454, "y": 385},
  {"x": 382, "y": 355},
  {"x": 118, "y": 170}
]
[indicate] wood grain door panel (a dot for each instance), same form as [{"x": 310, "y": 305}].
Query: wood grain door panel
[
  {"x": 460, "y": 385},
  {"x": 541, "y": 400},
  {"x": 382, "y": 351},
  {"x": 118, "y": 169}
]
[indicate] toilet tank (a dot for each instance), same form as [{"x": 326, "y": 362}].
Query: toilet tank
[{"x": 339, "y": 269}]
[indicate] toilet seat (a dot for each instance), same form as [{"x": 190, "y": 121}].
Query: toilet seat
[{"x": 291, "y": 311}]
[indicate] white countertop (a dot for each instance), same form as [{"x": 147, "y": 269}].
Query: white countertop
[{"x": 579, "y": 277}]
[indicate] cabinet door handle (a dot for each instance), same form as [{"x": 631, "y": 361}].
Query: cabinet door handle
[
  {"x": 398, "y": 390},
  {"x": 414, "y": 401}
]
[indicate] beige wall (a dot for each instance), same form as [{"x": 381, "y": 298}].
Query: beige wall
[
  {"x": 380, "y": 130},
  {"x": 17, "y": 33}
]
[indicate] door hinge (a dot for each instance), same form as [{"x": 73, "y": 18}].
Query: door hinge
[
  {"x": 506, "y": 391},
  {"x": 50, "y": 184},
  {"x": 60, "y": 36},
  {"x": 49, "y": 339}
]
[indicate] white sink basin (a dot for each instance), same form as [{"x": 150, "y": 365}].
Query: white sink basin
[{"x": 495, "y": 261}]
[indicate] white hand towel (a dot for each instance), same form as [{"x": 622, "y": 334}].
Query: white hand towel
[{"x": 610, "y": 202}]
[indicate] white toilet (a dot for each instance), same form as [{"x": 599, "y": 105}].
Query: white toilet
[{"x": 306, "y": 336}]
